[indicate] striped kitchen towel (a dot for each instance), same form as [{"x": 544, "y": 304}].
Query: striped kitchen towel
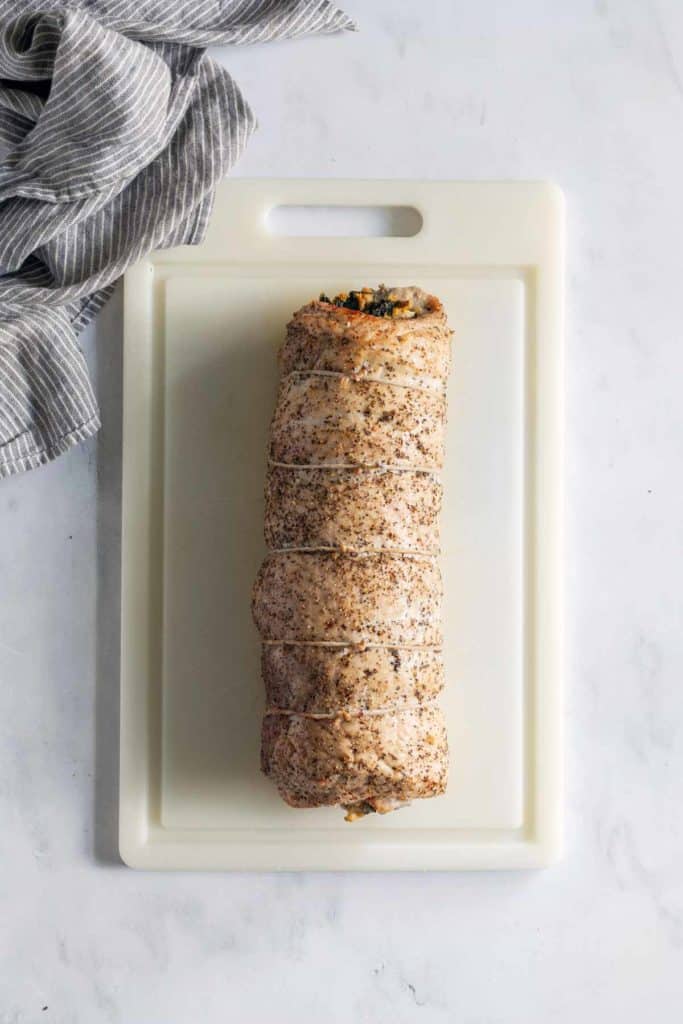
[{"x": 119, "y": 127}]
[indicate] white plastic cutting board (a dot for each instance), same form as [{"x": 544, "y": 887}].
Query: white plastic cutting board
[{"x": 202, "y": 327}]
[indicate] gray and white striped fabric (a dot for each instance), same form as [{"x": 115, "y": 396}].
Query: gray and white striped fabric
[{"x": 119, "y": 127}]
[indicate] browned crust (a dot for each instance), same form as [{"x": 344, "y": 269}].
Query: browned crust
[
  {"x": 323, "y": 337},
  {"x": 360, "y": 509},
  {"x": 401, "y": 757},
  {"x": 326, "y": 680},
  {"x": 331, "y": 597},
  {"x": 332, "y": 420}
]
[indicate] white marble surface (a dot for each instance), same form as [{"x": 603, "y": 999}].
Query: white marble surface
[{"x": 589, "y": 94}]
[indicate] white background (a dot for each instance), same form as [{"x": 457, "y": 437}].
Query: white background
[{"x": 589, "y": 94}]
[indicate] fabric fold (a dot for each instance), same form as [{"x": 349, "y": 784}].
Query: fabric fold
[
  {"x": 77, "y": 147},
  {"x": 121, "y": 127}
]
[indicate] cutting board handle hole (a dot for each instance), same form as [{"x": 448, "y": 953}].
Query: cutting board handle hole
[{"x": 344, "y": 221}]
